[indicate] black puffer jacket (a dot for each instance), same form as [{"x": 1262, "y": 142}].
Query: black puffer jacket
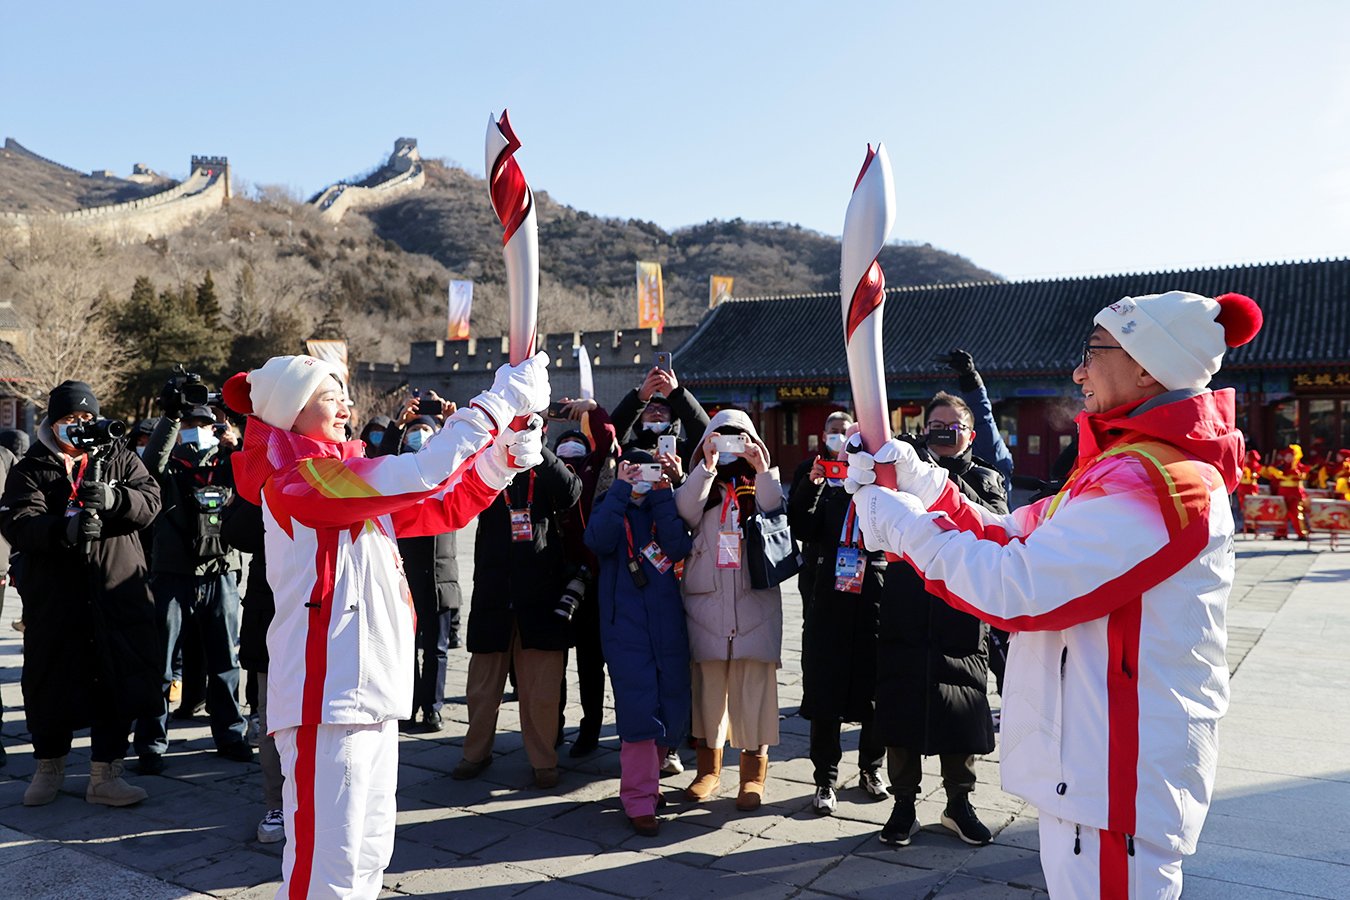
[
  {"x": 432, "y": 571},
  {"x": 517, "y": 583},
  {"x": 839, "y": 629},
  {"x": 688, "y": 422},
  {"x": 243, "y": 531},
  {"x": 90, "y": 635},
  {"x": 179, "y": 546},
  {"x": 932, "y": 666}
]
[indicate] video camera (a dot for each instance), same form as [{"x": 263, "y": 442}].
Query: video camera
[
  {"x": 186, "y": 390},
  {"x": 95, "y": 433}
]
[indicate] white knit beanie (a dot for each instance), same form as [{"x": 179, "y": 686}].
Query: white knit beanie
[
  {"x": 279, "y": 390},
  {"x": 1178, "y": 337}
]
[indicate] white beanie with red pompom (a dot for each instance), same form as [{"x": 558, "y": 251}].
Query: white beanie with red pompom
[
  {"x": 279, "y": 390},
  {"x": 1178, "y": 337}
]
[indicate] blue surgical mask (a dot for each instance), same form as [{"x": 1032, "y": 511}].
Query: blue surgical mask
[
  {"x": 62, "y": 433},
  {"x": 414, "y": 440},
  {"x": 140, "y": 451},
  {"x": 656, "y": 427},
  {"x": 375, "y": 437},
  {"x": 572, "y": 450},
  {"x": 204, "y": 438},
  {"x": 726, "y": 459},
  {"x": 642, "y": 487}
]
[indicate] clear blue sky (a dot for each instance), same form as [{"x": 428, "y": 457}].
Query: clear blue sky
[{"x": 1038, "y": 139}]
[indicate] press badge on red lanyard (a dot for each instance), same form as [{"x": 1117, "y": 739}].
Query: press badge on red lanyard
[
  {"x": 522, "y": 525},
  {"x": 850, "y": 563},
  {"x": 729, "y": 532}
]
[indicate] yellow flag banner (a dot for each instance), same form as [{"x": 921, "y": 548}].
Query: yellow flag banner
[
  {"x": 334, "y": 352},
  {"x": 719, "y": 289},
  {"x": 650, "y": 295},
  {"x": 461, "y": 303}
]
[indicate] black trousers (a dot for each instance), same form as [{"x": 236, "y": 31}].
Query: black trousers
[
  {"x": 958, "y": 773},
  {"x": 107, "y": 738},
  {"x": 590, "y": 665},
  {"x": 826, "y": 751}
]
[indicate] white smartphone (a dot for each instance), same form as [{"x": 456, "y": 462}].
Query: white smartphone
[
  {"x": 650, "y": 471},
  {"x": 666, "y": 444},
  {"x": 729, "y": 443}
]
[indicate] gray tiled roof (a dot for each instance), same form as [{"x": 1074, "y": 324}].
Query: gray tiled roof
[{"x": 1027, "y": 328}]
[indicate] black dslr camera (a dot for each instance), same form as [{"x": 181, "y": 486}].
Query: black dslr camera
[
  {"x": 184, "y": 391},
  {"x": 95, "y": 433}
]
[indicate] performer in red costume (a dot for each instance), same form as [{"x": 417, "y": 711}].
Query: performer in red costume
[
  {"x": 342, "y": 642},
  {"x": 1288, "y": 476},
  {"x": 1116, "y": 588}
]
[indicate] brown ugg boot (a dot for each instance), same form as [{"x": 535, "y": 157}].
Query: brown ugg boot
[
  {"x": 709, "y": 777},
  {"x": 46, "y": 783},
  {"x": 754, "y": 770},
  {"x": 109, "y": 788}
]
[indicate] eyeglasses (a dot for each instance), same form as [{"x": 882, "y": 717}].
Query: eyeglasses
[
  {"x": 1088, "y": 350},
  {"x": 936, "y": 425}
]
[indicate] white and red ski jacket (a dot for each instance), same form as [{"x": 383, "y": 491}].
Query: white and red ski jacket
[
  {"x": 1116, "y": 589},
  {"x": 341, "y": 645}
]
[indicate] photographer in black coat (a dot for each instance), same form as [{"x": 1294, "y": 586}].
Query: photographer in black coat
[
  {"x": 839, "y": 625},
  {"x": 194, "y": 571},
  {"x": 91, "y": 653},
  {"x": 660, "y": 405},
  {"x": 932, "y": 664},
  {"x": 517, "y": 616}
]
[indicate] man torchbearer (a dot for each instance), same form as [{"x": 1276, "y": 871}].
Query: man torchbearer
[{"x": 1114, "y": 589}]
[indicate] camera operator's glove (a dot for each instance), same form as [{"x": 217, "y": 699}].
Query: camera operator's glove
[
  {"x": 511, "y": 453},
  {"x": 171, "y": 398},
  {"x": 83, "y": 528},
  {"x": 516, "y": 391},
  {"x": 97, "y": 496},
  {"x": 963, "y": 364},
  {"x": 883, "y": 516},
  {"x": 911, "y": 473}
]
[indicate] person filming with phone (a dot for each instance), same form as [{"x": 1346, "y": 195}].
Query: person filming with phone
[{"x": 660, "y": 406}]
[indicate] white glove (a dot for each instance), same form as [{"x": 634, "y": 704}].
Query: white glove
[
  {"x": 883, "y": 515},
  {"x": 516, "y": 391},
  {"x": 911, "y": 473},
  {"x": 511, "y": 453},
  {"x": 525, "y": 386}
]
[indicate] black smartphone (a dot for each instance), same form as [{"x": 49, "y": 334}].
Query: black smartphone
[
  {"x": 557, "y": 410},
  {"x": 430, "y": 407},
  {"x": 663, "y": 361}
]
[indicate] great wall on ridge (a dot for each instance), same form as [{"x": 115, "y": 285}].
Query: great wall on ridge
[{"x": 205, "y": 190}]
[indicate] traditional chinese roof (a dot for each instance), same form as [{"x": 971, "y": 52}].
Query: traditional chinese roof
[{"x": 1013, "y": 329}]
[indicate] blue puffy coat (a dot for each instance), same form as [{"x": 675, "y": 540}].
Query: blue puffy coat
[{"x": 642, "y": 630}]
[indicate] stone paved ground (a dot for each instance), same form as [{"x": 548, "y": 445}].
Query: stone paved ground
[{"x": 1279, "y": 827}]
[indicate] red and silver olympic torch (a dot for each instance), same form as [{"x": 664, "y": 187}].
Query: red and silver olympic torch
[
  {"x": 513, "y": 201},
  {"x": 862, "y": 291}
]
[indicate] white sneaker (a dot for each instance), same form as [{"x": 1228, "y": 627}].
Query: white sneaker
[
  {"x": 672, "y": 764},
  {"x": 272, "y": 828},
  {"x": 824, "y": 801},
  {"x": 871, "y": 781}
]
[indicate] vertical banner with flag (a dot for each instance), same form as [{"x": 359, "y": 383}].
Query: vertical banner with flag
[
  {"x": 584, "y": 372},
  {"x": 719, "y": 289},
  {"x": 461, "y": 303},
  {"x": 334, "y": 352},
  {"x": 651, "y": 296}
]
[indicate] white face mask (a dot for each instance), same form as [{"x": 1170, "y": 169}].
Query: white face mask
[
  {"x": 204, "y": 438},
  {"x": 835, "y": 442},
  {"x": 571, "y": 450},
  {"x": 656, "y": 427},
  {"x": 642, "y": 487}
]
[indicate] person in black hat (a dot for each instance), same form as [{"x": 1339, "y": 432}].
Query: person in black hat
[
  {"x": 71, "y": 514},
  {"x": 195, "y": 584}
]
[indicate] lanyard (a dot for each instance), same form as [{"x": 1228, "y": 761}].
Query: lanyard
[
  {"x": 628, "y": 530},
  {"x": 79, "y": 477},
  {"x": 529, "y": 495},
  {"x": 851, "y": 535},
  {"x": 728, "y": 501}
]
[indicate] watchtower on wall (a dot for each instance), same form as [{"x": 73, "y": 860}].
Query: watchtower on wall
[{"x": 213, "y": 165}]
